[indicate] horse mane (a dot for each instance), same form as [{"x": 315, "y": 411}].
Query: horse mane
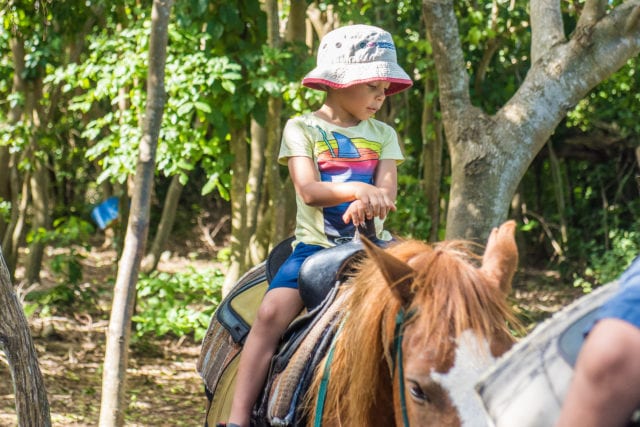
[{"x": 451, "y": 295}]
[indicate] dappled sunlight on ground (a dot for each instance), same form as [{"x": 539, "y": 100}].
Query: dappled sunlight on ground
[{"x": 163, "y": 387}]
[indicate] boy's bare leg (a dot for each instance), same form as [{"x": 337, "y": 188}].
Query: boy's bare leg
[
  {"x": 604, "y": 391},
  {"x": 279, "y": 307}
]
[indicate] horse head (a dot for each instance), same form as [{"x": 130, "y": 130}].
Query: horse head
[
  {"x": 437, "y": 315},
  {"x": 453, "y": 323}
]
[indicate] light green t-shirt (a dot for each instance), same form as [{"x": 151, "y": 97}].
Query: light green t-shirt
[{"x": 340, "y": 155}]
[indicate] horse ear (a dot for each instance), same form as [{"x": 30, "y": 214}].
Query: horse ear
[
  {"x": 398, "y": 274},
  {"x": 500, "y": 258}
]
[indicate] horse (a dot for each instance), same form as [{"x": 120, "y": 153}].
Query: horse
[
  {"x": 418, "y": 325},
  {"x": 423, "y": 322}
]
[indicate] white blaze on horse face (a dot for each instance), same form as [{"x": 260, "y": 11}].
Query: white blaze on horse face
[{"x": 473, "y": 356}]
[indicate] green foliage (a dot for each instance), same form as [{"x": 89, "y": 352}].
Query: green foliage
[
  {"x": 409, "y": 220},
  {"x": 606, "y": 265},
  {"x": 67, "y": 241},
  {"x": 601, "y": 218},
  {"x": 5, "y": 210},
  {"x": 178, "y": 304},
  {"x": 614, "y": 102},
  {"x": 195, "y": 83},
  {"x": 67, "y": 234},
  {"x": 495, "y": 38},
  {"x": 220, "y": 73}
]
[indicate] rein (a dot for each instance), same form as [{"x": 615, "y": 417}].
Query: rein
[
  {"x": 322, "y": 392},
  {"x": 401, "y": 319}
]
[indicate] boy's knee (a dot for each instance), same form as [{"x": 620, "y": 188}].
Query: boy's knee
[{"x": 267, "y": 313}]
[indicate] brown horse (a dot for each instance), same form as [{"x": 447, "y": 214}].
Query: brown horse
[{"x": 423, "y": 322}]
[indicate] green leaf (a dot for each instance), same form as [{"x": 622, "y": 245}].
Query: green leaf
[{"x": 202, "y": 106}]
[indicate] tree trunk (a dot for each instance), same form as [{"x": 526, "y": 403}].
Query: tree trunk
[
  {"x": 32, "y": 406},
  {"x": 497, "y": 150},
  {"x": 432, "y": 143},
  {"x": 558, "y": 189},
  {"x": 20, "y": 204},
  {"x": 296, "y": 24},
  {"x": 322, "y": 21},
  {"x": 273, "y": 207},
  {"x": 10, "y": 182},
  {"x": 40, "y": 219},
  {"x": 239, "y": 236},
  {"x": 256, "y": 249},
  {"x": 33, "y": 115},
  {"x": 5, "y": 185},
  {"x": 276, "y": 191},
  {"x": 150, "y": 261},
  {"x": 277, "y": 208},
  {"x": 113, "y": 403}
]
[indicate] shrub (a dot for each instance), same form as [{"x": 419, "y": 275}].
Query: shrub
[{"x": 179, "y": 304}]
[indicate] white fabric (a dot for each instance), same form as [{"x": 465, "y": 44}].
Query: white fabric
[{"x": 357, "y": 54}]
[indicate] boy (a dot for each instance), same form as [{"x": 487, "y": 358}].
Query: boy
[{"x": 343, "y": 166}]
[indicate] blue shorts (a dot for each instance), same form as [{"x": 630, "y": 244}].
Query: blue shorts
[
  {"x": 625, "y": 304},
  {"x": 287, "y": 275}
]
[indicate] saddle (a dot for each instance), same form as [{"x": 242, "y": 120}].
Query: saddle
[{"x": 302, "y": 347}]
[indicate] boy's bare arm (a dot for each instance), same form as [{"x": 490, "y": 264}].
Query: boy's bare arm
[
  {"x": 314, "y": 192},
  {"x": 386, "y": 178},
  {"x": 369, "y": 200}
]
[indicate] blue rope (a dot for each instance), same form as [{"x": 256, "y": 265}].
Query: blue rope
[
  {"x": 400, "y": 319},
  {"x": 322, "y": 393}
]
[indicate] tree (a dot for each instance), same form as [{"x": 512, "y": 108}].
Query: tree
[
  {"x": 118, "y": 337},
  {"x": 261, "y": 200},
  {"x": 35, "y": 124},
  {"x": 496, "y": 149},
  {"x": 32, "y": 405}
]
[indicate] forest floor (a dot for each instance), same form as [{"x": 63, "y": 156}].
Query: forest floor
[{"x": 163, "y": 387}]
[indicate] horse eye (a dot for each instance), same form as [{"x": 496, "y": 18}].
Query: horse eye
[{"x": 418, "y": 394}]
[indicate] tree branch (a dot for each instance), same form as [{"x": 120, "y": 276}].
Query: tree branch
[
  {"x": 547, "y": 28},
  {"x": 322, "y": 23},
  {"x": 592, "y": 12},
  {"x": 632, "y": 21},
  {"x": 612, "y": 39}
]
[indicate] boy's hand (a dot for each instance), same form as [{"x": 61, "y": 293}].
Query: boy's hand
[
  {"x": 369, "y": 204},
  {"x": 355, "y": 213}
]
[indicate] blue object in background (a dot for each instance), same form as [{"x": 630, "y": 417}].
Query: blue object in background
[{"x": 105, "y": 212}]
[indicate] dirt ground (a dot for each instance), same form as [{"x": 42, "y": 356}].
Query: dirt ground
[{"x": 163, "y": 386}]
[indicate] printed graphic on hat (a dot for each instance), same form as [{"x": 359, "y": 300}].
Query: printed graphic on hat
[{"x": 384, "y": 45}]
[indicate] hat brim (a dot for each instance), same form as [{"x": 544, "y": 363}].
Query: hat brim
[{"x": 347, "y": 75}]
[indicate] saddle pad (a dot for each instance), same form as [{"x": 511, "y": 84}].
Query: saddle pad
[
  {"x": 219, "y": 404},
  {"x": 287, "y": 389},
  {"x": 229, "y": 326}
]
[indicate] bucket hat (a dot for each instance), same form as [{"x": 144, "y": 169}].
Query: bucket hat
[{"x": 357, "y": 54}]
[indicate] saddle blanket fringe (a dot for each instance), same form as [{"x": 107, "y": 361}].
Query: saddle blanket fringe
[{"x": 286, "y": 392}]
